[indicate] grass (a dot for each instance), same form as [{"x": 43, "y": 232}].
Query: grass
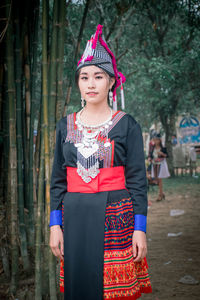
[{"x": 177, "y": 183}]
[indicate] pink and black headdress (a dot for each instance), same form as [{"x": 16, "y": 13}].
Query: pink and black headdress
[{"x": 98, "y": 53}]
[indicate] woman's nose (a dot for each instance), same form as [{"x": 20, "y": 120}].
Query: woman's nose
[{"x": 91, "y": 83}]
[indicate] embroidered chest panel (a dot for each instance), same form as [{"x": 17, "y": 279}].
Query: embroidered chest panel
[{"x": 88, "y": 161}]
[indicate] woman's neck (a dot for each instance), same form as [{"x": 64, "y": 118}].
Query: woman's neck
[
  {"x": 96, "y": 109},
  {"x": 95, "y": 114},
  {"x": 157, "y": 146}
]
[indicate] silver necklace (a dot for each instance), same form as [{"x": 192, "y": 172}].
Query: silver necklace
[
  {"x": 93, "y": 126},
  {"x": 87, "y": 147}
]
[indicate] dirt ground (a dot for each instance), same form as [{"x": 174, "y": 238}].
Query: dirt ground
[{"x": 171, "y": 258}]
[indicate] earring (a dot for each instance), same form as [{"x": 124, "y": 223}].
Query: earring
[
  {"x": 110, "y": 97},
  {"x": 82, "y": 102}
]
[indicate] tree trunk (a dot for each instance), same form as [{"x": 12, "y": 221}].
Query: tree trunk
[
  {"x": 12, "y": 151},
  {"x": 169, "y": 128},
  {"x": 170, "y": 131}
]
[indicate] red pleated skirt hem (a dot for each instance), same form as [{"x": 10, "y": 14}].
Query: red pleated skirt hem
[{"x": 144, "y": 290}]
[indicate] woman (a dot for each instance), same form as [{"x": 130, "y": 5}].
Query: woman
[
  {"x": 159, "y": 168},
  {"x": 104, "y": 243}
]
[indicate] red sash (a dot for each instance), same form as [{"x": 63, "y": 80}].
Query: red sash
[{"x": 108, "y": 179}]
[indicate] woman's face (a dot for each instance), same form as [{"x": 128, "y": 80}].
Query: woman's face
[
  {"x": 157, "y": 141},
  {"x": 94, "y": 84}
]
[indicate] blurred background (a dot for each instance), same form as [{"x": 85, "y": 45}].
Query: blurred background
[{"x": 157, "y": 47}]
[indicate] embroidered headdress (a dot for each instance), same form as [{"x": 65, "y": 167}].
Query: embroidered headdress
[{"x": 98, "y": 53}]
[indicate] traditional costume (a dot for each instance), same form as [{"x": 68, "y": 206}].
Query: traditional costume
[{"x": 99, "y": 177}]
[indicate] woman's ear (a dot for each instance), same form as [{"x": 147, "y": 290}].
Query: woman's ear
[{"x": 112, "y": 82}]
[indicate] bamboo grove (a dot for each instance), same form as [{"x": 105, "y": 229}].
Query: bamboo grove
[{"x": 40, "y": 44}]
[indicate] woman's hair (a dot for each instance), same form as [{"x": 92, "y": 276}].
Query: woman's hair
[
  {"x": 161, "y": 145},
  {"x": 159, "y": 138},
  {"x": 156, "y": 135},
  {"x": 78, "y": 73}
]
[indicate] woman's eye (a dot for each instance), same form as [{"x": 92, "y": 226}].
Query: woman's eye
[
  {"x": 99, "y": 77},
  {"x": 84, "y": 78}
]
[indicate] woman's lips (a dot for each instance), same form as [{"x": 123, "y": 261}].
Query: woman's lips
[{"x": 92, "y": 94}]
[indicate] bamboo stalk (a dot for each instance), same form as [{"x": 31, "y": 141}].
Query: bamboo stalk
[
  {"x": 27, "y": 84},
  {"x": 52, "y": 281},
  {"x": 53, "y": 81},
  {"x": 40, "y": 211},
  {"x": 1, "y": 98},
  {"x": 61, "y": 41},
  {"x": 35, "y": 105},
  {"x": 20, "y": 175},
  {"x": 12, "y": 152},
  {"x": 36, "y": 160},
  {"x": 4, "y": 175},
  {"x": 30, "y": 204},
  {"x": 45, "y": 98}
]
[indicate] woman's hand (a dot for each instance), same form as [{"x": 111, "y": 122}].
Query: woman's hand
[
  {"x": 56, "y": 241},
  {"x": 139, "y": 245}
]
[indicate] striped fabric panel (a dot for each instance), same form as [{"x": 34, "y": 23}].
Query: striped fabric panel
[
  {"x": 69, "y": 127},
  {"x": 116, "y": 119},
  {"x": 108, "y": 157},
  {"x": 118, "y": 234},
  {"x": 119, "y": 258},
  {"x": 127, "y": 206},
  {"x": 123, "y": 287}
]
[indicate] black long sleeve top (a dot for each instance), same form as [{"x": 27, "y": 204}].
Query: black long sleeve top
[{"x": 127, "y": 150}]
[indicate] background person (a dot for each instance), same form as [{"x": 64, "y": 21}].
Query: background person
[{"x": 159, "y": 168}]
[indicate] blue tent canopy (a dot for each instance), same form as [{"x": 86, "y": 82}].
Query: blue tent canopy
[{"x": 189, "y": 129}]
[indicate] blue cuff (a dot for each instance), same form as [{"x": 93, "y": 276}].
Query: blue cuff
[
  {"x": 140, "y": 222},
  {"x": 55, "y": 218}
]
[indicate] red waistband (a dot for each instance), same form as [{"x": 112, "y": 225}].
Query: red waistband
[{"x": 108, "y": 179}]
